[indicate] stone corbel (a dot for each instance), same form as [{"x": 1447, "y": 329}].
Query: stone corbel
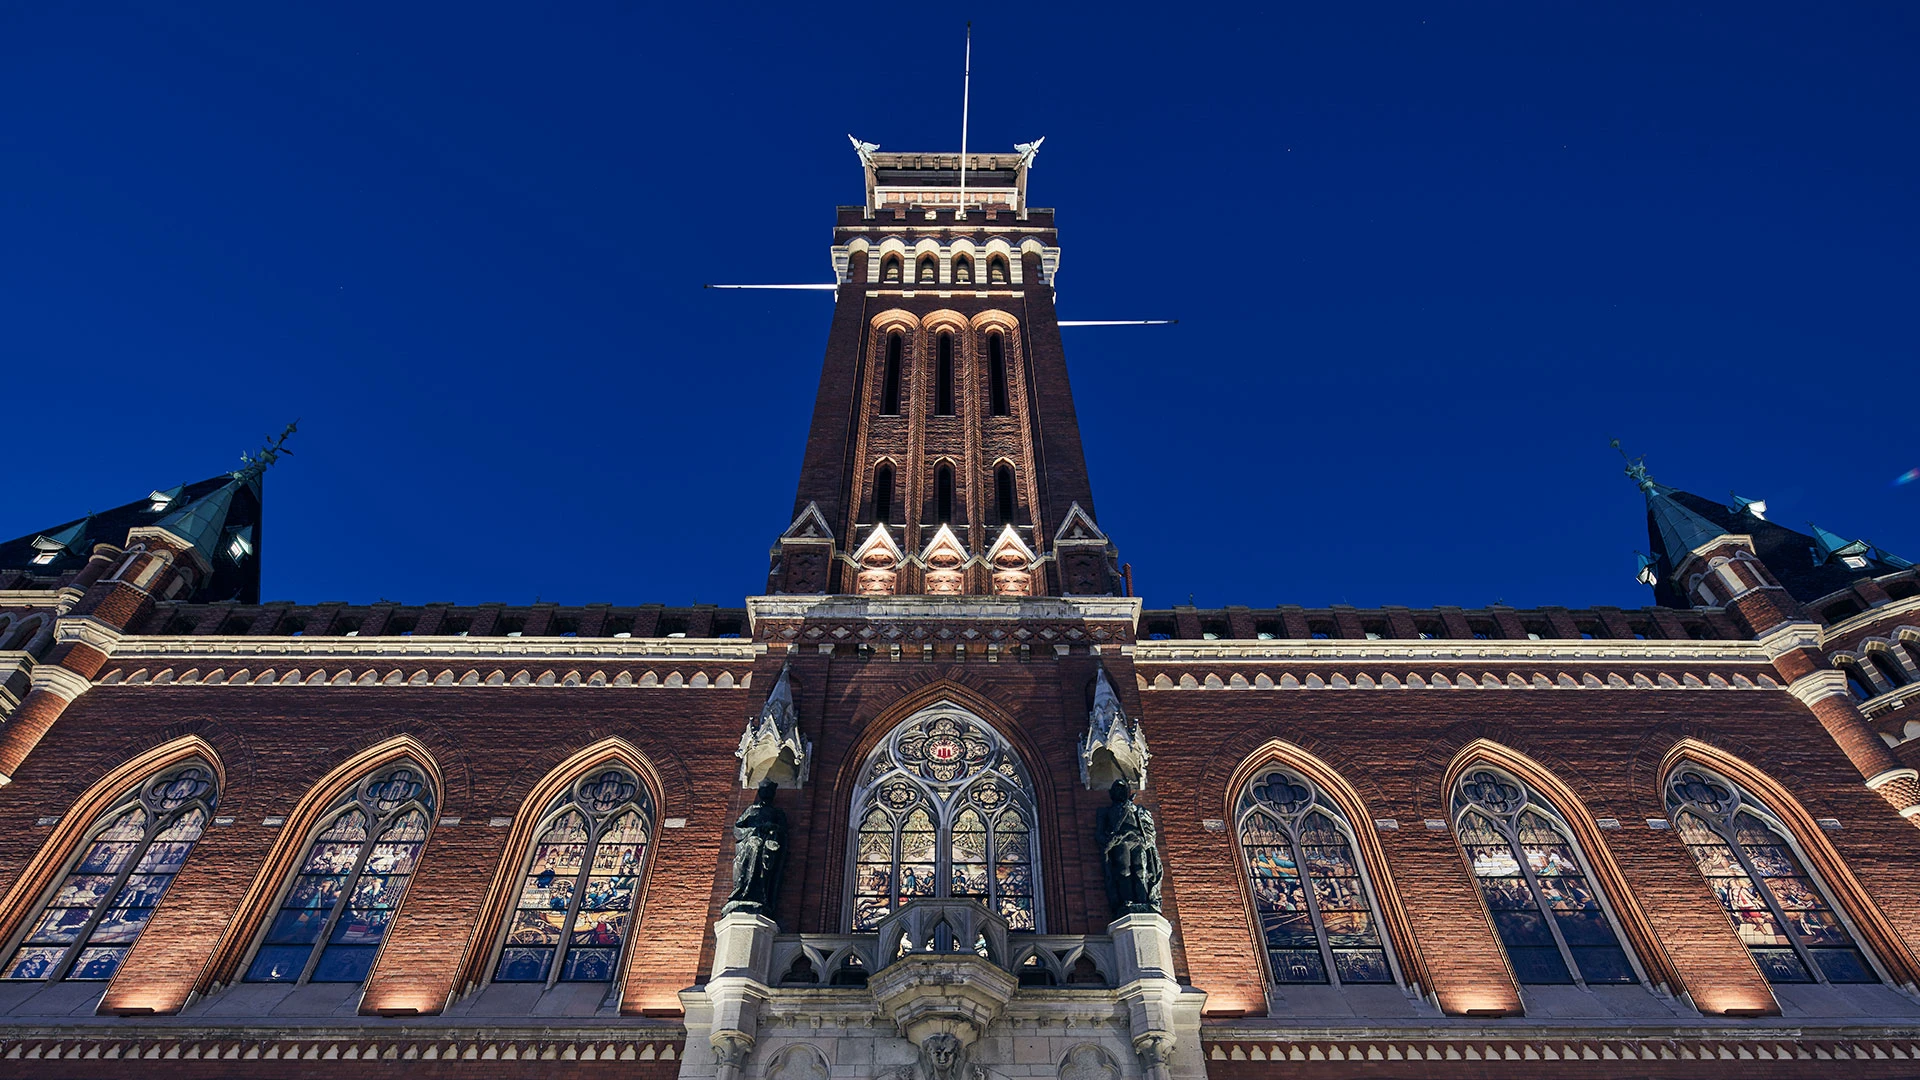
[
  {"x": 63, "y": 683},
  {"x": 772, "y": 747},
  {"x": 1113, "y": 747}
]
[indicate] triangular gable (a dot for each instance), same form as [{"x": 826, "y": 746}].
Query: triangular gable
[
  {"x": 810, "y": 525},
  {"x": 881, "y": 538},
  {"x": 1009, "y": 538},
  {"x": 944, "y": 538},
  {"x": 1078, "y": 528}
]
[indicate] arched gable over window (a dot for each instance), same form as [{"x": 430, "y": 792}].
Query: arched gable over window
[
  {"x": 1319, "y": 921},
  {"x": 574, "y": 911},
  {"x": 890, "y": 269},
  {"x": 944, "y": 808},
  {"x": 1554, "y": 922},
  {"x": 890, "y": 379},
  {"x": 125, "y": 862},
  {"x": 335, "y": 910},
  {"x": 1781, "y": 911}
]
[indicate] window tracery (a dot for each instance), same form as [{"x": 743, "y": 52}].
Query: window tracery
[
  {"x": 124, "y": 866},
  {"x": 349, "y": 883},
  {"x": 945, "y": 809},
  {"x": 1318, "y": 918},
  {"x": 578, "y": 895},
  {"x": 1781, "y": 912},
  {"x": 1553, "y": 922}
]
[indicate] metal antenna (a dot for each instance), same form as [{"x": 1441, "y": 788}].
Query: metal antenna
[{"x": 966, "y": 95}]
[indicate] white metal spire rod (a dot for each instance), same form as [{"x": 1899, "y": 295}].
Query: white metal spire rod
[
  {"x": 825, "y": 287},
  {"x": 966, "y": 92},
  {"x": 1117, "y": 322}
]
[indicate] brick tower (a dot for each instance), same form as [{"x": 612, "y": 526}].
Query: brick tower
[{"x": 944, "y": 456}]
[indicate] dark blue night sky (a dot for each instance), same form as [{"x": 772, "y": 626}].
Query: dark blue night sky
[{"x": 1427, "y": 260}]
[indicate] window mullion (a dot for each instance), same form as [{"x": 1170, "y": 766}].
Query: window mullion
[
  {"x": 1765, "y": 888},
  {"x": 119, "y": 883},
  {"x": 1313, "y": 902},
  {"x": 565, "y": 945},
  {"x": 1539, "y": 901},
  {"x": 340, "y": 905}
]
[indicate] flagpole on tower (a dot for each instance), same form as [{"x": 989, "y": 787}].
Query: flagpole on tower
[{"x": 966, "y": 93}]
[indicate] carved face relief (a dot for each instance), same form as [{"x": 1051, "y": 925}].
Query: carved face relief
[{"x": 942, "y": 1054}]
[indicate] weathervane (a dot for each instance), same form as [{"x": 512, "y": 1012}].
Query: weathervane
[
  {"x": 252, "y": 465},
  {"x": 1636, "y": 468}
]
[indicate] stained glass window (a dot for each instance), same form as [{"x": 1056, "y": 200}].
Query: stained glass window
[
  {"x": 1780, "y": 911},
  {"x": 1554, "y": 923},
  {"x": 1317, "y": 917},
  {"x": 129, "y": 857},
  {"x": 349, "y": 883},
  {"x": 575, "y": 909},
  {"x": 946, "y": 809}
]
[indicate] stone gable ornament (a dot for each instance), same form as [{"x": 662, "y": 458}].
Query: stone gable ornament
[
  {"x": 1132, "y": 858},
  {"x": 772, "y": 747},
  {"x": 1113, "y": 747}
]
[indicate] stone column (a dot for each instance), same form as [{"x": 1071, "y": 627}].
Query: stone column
[
  {"x": 1163, "y": 1016},
  {"x": 727, "y": 1012},
  {"x": 1825, "y": 693}
]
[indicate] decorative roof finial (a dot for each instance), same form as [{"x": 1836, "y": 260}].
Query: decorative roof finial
[
  {"x": 1636, "y": 468},
  {"x": 252, "y": 465},
  {"x": 864, "y": 149},
  {"x": 1028, "y": 151}
]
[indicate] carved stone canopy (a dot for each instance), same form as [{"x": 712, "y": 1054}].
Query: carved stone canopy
[
  {"x": 1113, "y": 747},
  {"x": 937, "y": 982},
  {"x": 772, "y": 747}
]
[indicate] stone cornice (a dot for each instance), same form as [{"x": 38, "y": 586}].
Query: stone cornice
[
  {"x": 65, "y": 683},
  {"x": 1351, "y": 651},
  {"x": 450, "y": 650},
  {"x": 946, "y": 608},
  {"x": 1788, "y": 637},
  {"x": 1819, "y": 685},
  {"x": 89, "y": 631},
  {"x": 1893, "y": 610},
  {"x": 60, "y": 600}
]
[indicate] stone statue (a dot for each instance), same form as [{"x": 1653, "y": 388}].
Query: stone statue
[
  {"x": 1132, "y": 858},
  {"x": 759, "y": 854},
  {"x": 942, "y": 1057}
]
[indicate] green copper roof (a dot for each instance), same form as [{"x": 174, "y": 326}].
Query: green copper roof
[
  {"x": 65, "y": 539},
  {"x": 1828, "y": 546},
  {"x": 199, "y": 523},
  {"x": 1681, "y": 530}
]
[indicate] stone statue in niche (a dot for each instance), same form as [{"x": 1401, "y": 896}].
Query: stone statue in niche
[
  {"x": 759, "y": 854},
  {"x": 1127, "y": 845}
]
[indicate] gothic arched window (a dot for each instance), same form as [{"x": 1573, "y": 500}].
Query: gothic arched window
[
  {"x": 890, "y": 379},
  {"x": 943, "y": 494},
  {"x": 997, "y": 270},
  {"x": 349, "y": 882},
  {"x": 580, "y": 885},
  {"x": 929, "y": 271},
  {"x": 125, "y": 863},
  {"x": 943, "y": 377},
  {"x": 1553, "y": 921},
  {"x": 1782, "y": 913},
  {"x": 1003, "y": 492},
  {"x": 962, "y": 270},
  {"x": 945, "y": 808},
  {"x": 883, "y": 493},
  {"x": 1317, "y": 913},
  {"x": 997, "y": 375},
  {"x": 890, "y": 270}
]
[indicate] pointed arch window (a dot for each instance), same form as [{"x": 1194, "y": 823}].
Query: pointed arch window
[
  {"x": 580, "y": 886},
  {"x": 962, "y": 270},
  {"x": 349, "y": 883},
  {"x": 945, "y": 809},
  {"x": 1318, "y": 918},
  {"x": 125, "y": 863},
  {"x": 997, "y": 375},
  {"x": 997, "y": 270},
  {"x": 929, "y": 271},
  {"x": 943, "y": 377},
  {"x": 890, "y": 270},
  {"x": 890, "y": 379},
  {"x": 883, "y": 493},
  {"x": 1553, "y": 921},
  {"x": 1887, "y": 666},
  {"x": 1781, "y": 912},
  {"x": 1003, "y": 492},
  {"x": 943, "y": 493}
]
